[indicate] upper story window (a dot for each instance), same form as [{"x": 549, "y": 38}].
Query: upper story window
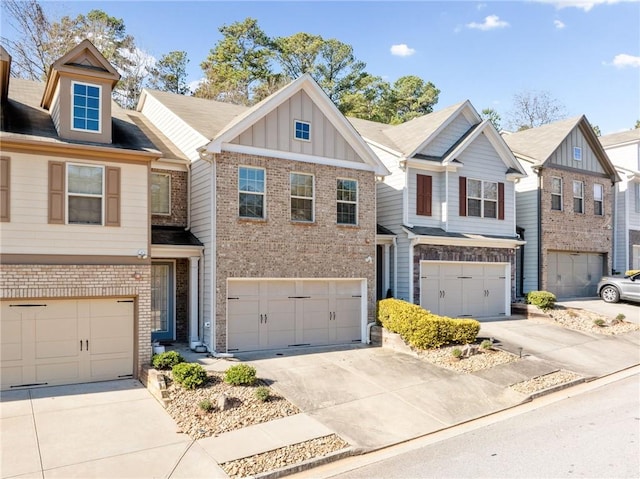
[
  {"x": 347, "y": 207},
  {"x": 578, "y": 197},
  {"x": 86, "y": 107},
  {"x": 85, "y": 191},
  {"x": 482, "y": 198},
  {"x": 598, "y": 199},
  {"x": 160, "y": 194},
  {"x": 577, "y": 153},
  {"x": 301, "y": 197},
  {"x": 251, "y": 190},
  {"x": 556, "y": 193},
  {"x": 302, "y": 130}
]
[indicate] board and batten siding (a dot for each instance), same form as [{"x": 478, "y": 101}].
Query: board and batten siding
[
  {"x": 563, "y": 156},
  {"x": 621, "y": 238},
  {"x": 447, "y": 137},
  {"x": 527, "y": 218},
  {"x": 275, "y": 131},
  {"x": 437, "y": 198},
  {"x": 481, "y": 162},
  {"x": 29, "y": 232}
]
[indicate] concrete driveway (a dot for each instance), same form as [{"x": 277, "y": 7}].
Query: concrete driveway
[
  {"x": 610, "y": 310},
  {"x": 107, "y": 429}
]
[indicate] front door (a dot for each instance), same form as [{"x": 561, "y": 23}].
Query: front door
[{"x": 162, "y": 302}]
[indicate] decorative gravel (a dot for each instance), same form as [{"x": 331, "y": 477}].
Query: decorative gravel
[
  {"x": 245, "y": 409},
  {"x": 582, "y": 320},
  {"x": 285, "y": 456},
  {"x": 484, "y": 359},
  {"x": 545, "y": 382}
]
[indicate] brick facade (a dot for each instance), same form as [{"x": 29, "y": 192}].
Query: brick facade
[
  {"x": 425, "y": 252},
  {"x": 87, "y": 281},
  {"x": 179, "y": 203},
  {"x": 569, "y": 231},
  {"x": 279, "y": 248},
  {"x": 182, "y": 300}
]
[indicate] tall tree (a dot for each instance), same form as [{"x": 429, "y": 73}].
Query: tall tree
[
  {"x": 170, "y": 73},
  {"x": 412, "y": 97},
  {"x": 493, "y": 116},
  {"x": 535, "y": 108},
  {"x": 298, "y": 53},
  {"x": 237, "y": 64},
  {"x": 369, "y": 100}
]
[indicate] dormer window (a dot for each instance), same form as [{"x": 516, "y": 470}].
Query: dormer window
[
  {"x": 86, "y": 107},
  {"x": 302, "y": 130}
]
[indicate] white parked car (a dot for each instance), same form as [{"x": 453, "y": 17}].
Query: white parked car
[{"x": 614, "y": 288}]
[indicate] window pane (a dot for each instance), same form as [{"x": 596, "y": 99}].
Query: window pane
[
  {"x": 251, "y": 206},
  {"x": 301, "y": 209},
  {"x": 556, "y": 186},
  {"x": 79, "y": 89},
  {"x": 474, "y": 207},
  {"x": 251, "y": 180},
  {"x": 577, "y": 205},
  {"x": 86, "y": 107},
  {"x": 577, "y": 189},
  {"x": 474, "y": 188},
  {"x": 347, "y": 190},
  {"x": 490, "y": 209},
  {"x": 302, "y": 130},
  {"x": 85, "y": 210},
  {"x": 597, "y": 192},
  {"x": 490, "y": 190},
  {"x": 301, "y": 185},
  {"x": 556, "y": 202},
  {"x": 84, "y": 179},
  {"x": 347, "y": 213},
  {"x": 160, "y": 194},
  {"x": 597, "y": 208}
]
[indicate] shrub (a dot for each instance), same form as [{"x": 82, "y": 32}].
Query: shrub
[
  {"x": 240, "y": 374},
  {"x": 206, "y": 405},
  {"x": 262, "y": 393},
  {"x": 166, "y": 360},
  {"x": 486, "y": 344},
  {"x": 599, "y": 322},
  {"x": 620, "y": 317},
  {"x": 189, "y": 375},
  {"x": 542, "y": 299},
  {"x": 423, "y": 330},
  {"x": 456, "y": 353}
]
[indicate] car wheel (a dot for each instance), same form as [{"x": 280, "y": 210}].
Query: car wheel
[{"x": 609, "y": 294}]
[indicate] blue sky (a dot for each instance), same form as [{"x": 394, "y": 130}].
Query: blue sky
[{"x": 585, "y": 53}]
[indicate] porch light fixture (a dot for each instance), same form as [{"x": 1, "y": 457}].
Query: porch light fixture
[{"x": 142, "y": 254}]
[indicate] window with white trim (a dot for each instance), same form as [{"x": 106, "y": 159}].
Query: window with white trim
[
  {"x": 160, "y": 194},
  {"x": 482, "y": 198},
  {"x": 85, "y": 193},
  {"x": 302, "y": 197},
  {"x": 598, "y": 199},
  {"x": 302, "y": 130},
  {"x": 86, "y": 107},
  {"x": 577, "y": 153},
  {"x": 578, "y": 197},
  {"x": 556, "y": 193},
  {"x": 251, "y": 191},
  {"x": 347, "y": 198}
]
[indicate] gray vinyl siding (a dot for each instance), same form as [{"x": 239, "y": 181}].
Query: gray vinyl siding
[
  {"x": 527, "y": 218},
  {"x": 481, "y": 162},
  {"x": 403, "y": 268},
  {"x": 437, "y": 199},
  {"x": 563, "y": 156},
  {"x": 447, "y": 137},
  {"x": 275, "y": 131},
  {"x": 620, "y": 240}
]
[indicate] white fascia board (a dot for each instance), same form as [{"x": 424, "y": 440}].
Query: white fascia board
[
  {"x": 288, "y": 155},
  {"x": 175, "y": 251},
  {"x": 384, "y": 239},
  {"x": 466, "y": 242},
  {"x": 426, "y": 165},
  {"x": 382, "y": 147}
]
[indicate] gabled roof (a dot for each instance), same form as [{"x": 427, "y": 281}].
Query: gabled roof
[
  {"x": 538, "y": 144},
  {"x": 307, "y": 84},
  {"x": 621, "y": 138}
]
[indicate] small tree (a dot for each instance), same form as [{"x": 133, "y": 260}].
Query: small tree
[
  {"x": 493, "y": 116},
  {"x": 535, "y": 108},
  {"x": 170, "y": 73}
]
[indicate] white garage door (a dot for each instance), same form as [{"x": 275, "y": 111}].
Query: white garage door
[
  {"x": 271, "y": 314},
  {"x": 574, "y": 275},
  {"x": 465, "y": 289},
  {"x": 46, "y": 343}
]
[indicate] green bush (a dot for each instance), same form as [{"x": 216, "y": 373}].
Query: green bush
[
  {"x": 262, "y": 393},
  {"x": 542, "y": 299},
  {"x": 167, "y": 360},
  {"x": 206, "y": 405},
  {"x": 189, "y": 375},
  {"x": 424, "y": 330},
  {"x": 599, "y": 322},
  {"x": 620, "y": 317},
  {"x": 486, "y": 344},
  {"x": 240, "y": 374},
  {"x": 456, "y": 353}
]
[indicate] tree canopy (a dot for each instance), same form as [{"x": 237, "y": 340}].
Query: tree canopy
[{"x": 531, "y": 109}]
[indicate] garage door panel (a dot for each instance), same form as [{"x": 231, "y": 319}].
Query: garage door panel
[
  {"x": 59, "y": 372},
  {"x": 11, "y": 340},
  {"x": 243, "y": 288},
  {"x": 117, "y": 345},
  {"x": 56, "y": 329},
  {"x": 315, "y": 321},
  {"x": 68, "y": 348},
  {"x": 347, "y": 319},
  {"x": 348, "y": 288},
  {"x": 573, "y": 274},
  {"x": 111, "y": 368},
  {"x": 279, "y": 289}
]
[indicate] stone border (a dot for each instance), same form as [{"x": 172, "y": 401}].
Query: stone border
[
  {"x": 156, "y": 383},
  {"x": 308, "y": 464}
]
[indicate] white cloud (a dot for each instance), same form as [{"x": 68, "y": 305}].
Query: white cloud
[
  {"x": 193, "y": 86},
  {"x": 623, "y": 60},
  {"x": 402, "y": 50},
  {"x": 481, "y": 6},
  {"x": 585, "y": 5},
  {"x": 490, "y": 23},
  {"x": 558, "y": 24}
]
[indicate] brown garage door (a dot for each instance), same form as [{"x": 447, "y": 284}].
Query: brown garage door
[{"x": 574, "y": 275}]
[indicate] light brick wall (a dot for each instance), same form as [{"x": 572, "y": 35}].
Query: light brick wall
[
  {"x": 569, "y": 231},
  {"x": 279, "y": 248},
  {"x": 87, "y": 281},
  {"x": 179, "y": 204}
]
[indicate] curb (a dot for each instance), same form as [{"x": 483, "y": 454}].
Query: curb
[
  {"x": 558, "y": 387},
  {"x": 308, "y": 464}
]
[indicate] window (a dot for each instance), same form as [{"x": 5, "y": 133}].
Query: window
[
  {"x": 5, "y": 187},
  {"x": 482, "y": 198},
  {"x": 578, "y": 197},
  {"x": 84, "y": 194},
  {"x": 86, "y": 107},
  {"x": 301, "y": 197},
  {"x": 160, "y": 194},
  {"x": 598, "y": 196},
  {"x": 577, "y": 153},
  {"x": 423, "y": 195},
  {"x": 347, "y": 196},
  {"x": 251, "y": 188},
  {"x": 302, "y": 130},
  {"x": 556, "y": 193}
]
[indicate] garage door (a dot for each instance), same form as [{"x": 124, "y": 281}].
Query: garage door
[
  {"x": 46, "y": 343},
  {"x": 465, "y": 289},
  {"x": 574, "y": 275},
  {"x": 272, "y": 314}
]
